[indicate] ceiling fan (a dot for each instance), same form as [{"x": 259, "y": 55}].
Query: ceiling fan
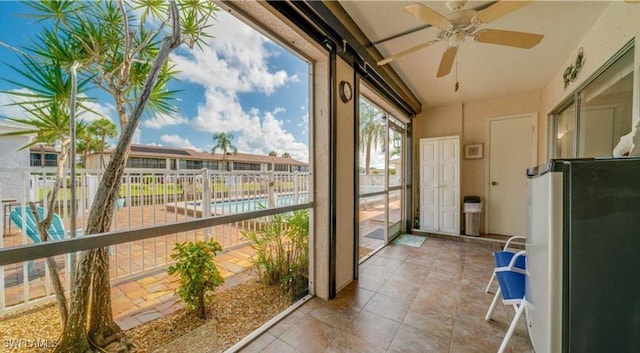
[{"x": 459, "y": 24}]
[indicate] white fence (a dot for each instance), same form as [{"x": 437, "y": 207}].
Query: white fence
[{"x": 148, "y": 197}]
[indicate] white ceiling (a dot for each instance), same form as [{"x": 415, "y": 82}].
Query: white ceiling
[{"x": 483, "y": 70}]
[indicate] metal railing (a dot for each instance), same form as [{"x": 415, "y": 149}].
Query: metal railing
[{"x": 180, "y": 204}]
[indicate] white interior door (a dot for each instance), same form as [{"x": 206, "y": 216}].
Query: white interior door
[
  {"x": 511, "y": 152},
  {"x": 429, "y": 198},
  {"x": 449, "y": 185}
]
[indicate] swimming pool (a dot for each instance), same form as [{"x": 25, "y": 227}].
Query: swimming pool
[{"x": 251, "y": 204}]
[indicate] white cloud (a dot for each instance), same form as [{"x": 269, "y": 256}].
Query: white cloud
[
  {"x": 304, "y": 124},
  {"x": 160, "y": 121},
  {"x": 137, "y": 135},
  {"x": 99, "y": 110},
  {"x": 12, "y": 111},
  {"x": 235, "y": 62},
  {"x": 266, "y": 134},
  {"x": 177, "y": 141},
  {"x": 221, "y": 112},
  {"x": 235, "y": 59}
]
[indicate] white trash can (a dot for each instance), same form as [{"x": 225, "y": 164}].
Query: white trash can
[{"x": 472, "y": 212}]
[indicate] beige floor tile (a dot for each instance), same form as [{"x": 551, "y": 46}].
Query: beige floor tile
[
  {"x": 309, "y": 335},
  {"x": 410, "y": 340}
]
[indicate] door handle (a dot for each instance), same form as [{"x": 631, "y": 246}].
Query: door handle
[{"x": 494, "y": 183}]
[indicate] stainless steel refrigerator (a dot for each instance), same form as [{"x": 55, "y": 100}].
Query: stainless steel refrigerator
[{"x": 583, "y": 256}]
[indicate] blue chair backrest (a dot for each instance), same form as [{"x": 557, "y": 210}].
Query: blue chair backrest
[{"x": 56, "y": 229}]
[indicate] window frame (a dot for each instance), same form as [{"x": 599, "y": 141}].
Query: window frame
[{"x": 575, "y": 100}]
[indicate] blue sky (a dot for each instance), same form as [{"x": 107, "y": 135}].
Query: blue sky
[{"x": 242, "y": 83}]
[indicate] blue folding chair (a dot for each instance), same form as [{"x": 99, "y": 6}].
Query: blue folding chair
[
  {"x": 511, "y": 281},
  {"x": 502, "y": 259},
  {"x": 56, "y": 229}
]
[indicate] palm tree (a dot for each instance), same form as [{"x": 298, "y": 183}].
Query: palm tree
[
  {"x": 127, "y": 58},
  {"x": 286, "y": 155},
  {"x": 86, "y": 144},
  {"x": 371, "y": 131},
  {"x": 47, "y": 114},
  {"x": 223, "y": 141},
  {"x": 273, "y": 153},
  {"x": 103, "y": 128}
]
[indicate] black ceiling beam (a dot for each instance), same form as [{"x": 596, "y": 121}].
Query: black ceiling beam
[{"x": 319, "y": 22}]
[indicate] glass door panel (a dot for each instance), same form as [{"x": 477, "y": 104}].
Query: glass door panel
[
  {"x": 394, "y": 174},
  {"x": 372, "y": 225},
  {"x": 565, "y": 128},
  {"x": 605, "y": 109},
  {"x": 380, "y": 179},
  {"x": 372, "y": 212}
]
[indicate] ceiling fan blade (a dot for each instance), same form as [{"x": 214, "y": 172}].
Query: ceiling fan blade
[
  {"x": 499, "y": 9},
  {"x": 429, "y": 16},
  {"x": 447, "y": 61},
  {"x": 406, "y": 52},
  {"x": 509, "y": 38}
]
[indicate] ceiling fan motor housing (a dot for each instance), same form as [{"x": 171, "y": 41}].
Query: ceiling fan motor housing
[{"x": 462, "y": 24}]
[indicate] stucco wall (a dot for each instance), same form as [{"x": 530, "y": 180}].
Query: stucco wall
[
  {"x": 469, "y": 121},
  {"x": 618, "y": 24},
  {"x": 345, "y": 164},
  {"x": 320, "y": 221},
  {"x": 14, "y": 164}
]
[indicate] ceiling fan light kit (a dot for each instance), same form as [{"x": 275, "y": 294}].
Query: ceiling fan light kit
[{"x": 456, "y": 26}]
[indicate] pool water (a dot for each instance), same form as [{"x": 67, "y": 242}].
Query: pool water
[{"x": 245, "y": 205}]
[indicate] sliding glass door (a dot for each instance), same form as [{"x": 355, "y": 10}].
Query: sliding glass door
[{"x": 380, "y": 179}]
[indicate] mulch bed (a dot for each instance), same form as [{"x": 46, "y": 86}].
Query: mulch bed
[{"x": 238, "y": 311}]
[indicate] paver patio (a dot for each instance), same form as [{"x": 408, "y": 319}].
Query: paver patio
[{"x": 141, "y": 288}]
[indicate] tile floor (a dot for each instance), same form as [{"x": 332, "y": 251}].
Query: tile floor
[{"x": 427, "y": 299}]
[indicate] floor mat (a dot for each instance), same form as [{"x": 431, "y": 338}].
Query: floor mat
[
  {"x": 376, "y": 234},
  {"x": 409, "y": 240}
]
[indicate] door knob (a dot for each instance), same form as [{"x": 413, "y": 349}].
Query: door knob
[{"x": 494, "y": 183}]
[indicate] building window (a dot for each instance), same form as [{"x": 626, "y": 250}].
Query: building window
[
  {"x": 591, "y": 123},
  {"x": 190, "y": 164},
  {"x": 136, "y": 162},
  {"x": 50, "y": 160},
  {"x": 211, "y": 165},
  {"x": 282, "y": 167},
  {"x": 35, "y": 160},
  {"x": 246, "y": 166}
]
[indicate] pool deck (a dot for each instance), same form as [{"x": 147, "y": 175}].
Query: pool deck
[{"x": 147, "y": 295}]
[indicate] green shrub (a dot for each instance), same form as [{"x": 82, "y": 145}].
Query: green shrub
[
  {"x": 282, "y": 251},
  {"x": 199, "y": 275}
]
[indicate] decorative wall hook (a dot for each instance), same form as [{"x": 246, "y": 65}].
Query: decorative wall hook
[{"x": 571, "y": 73}]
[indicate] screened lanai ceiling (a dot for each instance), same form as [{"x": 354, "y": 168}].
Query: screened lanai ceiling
[{"x": 482, "y": 70}]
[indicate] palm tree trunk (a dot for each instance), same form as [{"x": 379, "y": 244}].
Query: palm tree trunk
[
  {"x": 102, "y": 328},
  {"x": 74, "y": 335},
  {"x": 43, "y": 229},
  {"x": 58, "y": 287},
  {"x": 93, "y": 269},
  {"x": 367, "y": 157},
  {"x": 102, "y": 152}
]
